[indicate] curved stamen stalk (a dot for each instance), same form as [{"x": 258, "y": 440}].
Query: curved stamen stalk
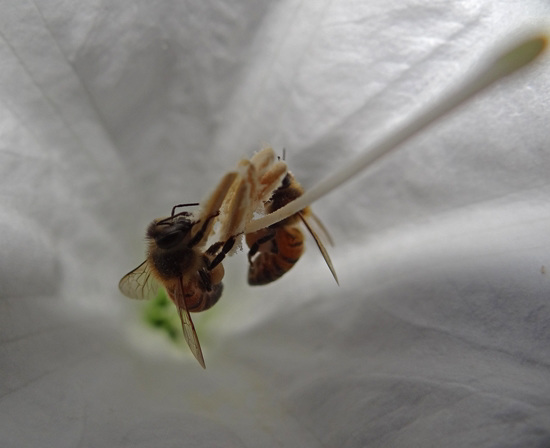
[{"x": 519, "y": 55}]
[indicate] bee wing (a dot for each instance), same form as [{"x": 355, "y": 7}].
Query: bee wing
[
  {"x": 320, "y": 245},
  {"x": 187, "y": 324},
  {"x": 320, "y": 227},
  {"x": 139, "y": 283}
]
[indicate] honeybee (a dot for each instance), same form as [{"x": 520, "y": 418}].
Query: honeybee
[
  {"x": 177, "y": 261},
  {"x": 273, "y": 251}
]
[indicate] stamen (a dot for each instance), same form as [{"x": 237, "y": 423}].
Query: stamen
[{"x": 521, "y": 54}]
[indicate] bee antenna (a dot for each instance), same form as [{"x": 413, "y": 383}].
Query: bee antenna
[
  {"x": 284, "y": 155},
  {"x": 191, "y": 204}
]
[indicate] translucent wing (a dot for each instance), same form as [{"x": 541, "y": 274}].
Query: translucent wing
[
  {"x": 320, "y": 246},
  {"x": 320, "y": 227},
  {"x": 187, "y": 324},
  {"x": 139, "y": 283}
]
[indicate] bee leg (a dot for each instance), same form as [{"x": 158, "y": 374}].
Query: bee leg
[
  {"x": 225, "y": 250},
  {"x": 213, "y": 250},
  {"x": 256, "y": 246},
  {"x": 200, "y": 234},
  {"x": 205, "y": 279}
]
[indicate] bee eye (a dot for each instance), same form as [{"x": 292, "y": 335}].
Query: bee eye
[{"x": 169, "y": 240}]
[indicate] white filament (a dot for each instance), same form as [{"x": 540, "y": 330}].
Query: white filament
[{"x": 521, "y": 53}]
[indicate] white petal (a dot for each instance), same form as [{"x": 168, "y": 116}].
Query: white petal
[{"x": 110, "y": 114}]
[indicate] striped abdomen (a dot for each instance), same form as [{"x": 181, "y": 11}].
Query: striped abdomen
[{"x": 274, "y": 251}]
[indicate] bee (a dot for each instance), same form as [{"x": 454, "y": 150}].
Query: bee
[
  {"x": 176, "y": 260},
  {"x": 273, "y": 251}
]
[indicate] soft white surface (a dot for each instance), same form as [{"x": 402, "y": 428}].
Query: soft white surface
[{"x": 112, "y": 113}]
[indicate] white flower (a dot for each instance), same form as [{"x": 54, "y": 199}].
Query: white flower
[{"x": 112, "y": 113}]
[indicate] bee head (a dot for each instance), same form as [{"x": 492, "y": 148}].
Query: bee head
[{"x": 168, "y": 233}]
